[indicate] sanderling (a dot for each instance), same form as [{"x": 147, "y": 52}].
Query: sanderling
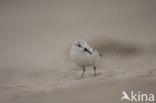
[{"x": 83, "y": 55}]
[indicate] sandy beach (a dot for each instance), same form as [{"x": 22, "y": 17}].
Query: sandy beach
[
  {"x": 110, "y": 92},
  {"x": 35, "y": 38}
]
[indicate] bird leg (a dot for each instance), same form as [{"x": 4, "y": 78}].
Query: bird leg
[
  {"x": 83, "y": 71},
  {"x": 94, "y": 70}
]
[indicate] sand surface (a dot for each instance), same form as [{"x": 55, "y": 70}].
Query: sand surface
[{"x": 35, "y": 37}]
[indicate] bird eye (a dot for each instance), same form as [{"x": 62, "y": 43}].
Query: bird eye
[{"x": 79, "y": 45}]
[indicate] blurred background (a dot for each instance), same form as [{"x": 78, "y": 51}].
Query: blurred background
[
  {"x": 39, "y": 31},
  {"x": 35, "y": 36}
]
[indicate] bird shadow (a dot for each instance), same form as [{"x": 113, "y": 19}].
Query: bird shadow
[
  {"x": 88, "y": 76},
  {"x": 98, "y": 74}
]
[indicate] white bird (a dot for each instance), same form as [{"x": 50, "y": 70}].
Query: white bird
[{"x": 83, "y": 55}]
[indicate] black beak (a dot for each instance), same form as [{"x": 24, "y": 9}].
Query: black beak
[{"x": 85, "y": 49}]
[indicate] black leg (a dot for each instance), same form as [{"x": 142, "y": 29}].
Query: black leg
[
  {"x": 83, "y": 71},
  {"x": 94, "y": 70}
]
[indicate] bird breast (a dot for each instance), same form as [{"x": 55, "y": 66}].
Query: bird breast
[{"x": 83, "y": 59}]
